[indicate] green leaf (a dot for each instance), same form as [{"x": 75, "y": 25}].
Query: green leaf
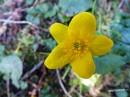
[
  {"x": 49, "y": 43},
  {"x": 31, "y": 11},
  {"x": 63, "y": 18},
  {"x": 120, "y": 49},
  {"x": 26, "y": 39},
  {"x": 42, "y": 8},
  {"x": 121, "y": 93},
  {"x": 29, "y": 2},
  {"x": 12, "y": 68},
  {"x": 126, "y": 22},
  {"x": 1, "y": 1},
  {"x": 126, "y": 35},
  {"x": 108, "y": 63},
  {"x": 127, "y": 57},
  {"x": 45, "y": 92},
  {"x": 70, "y": 7},
  {"x": 51, "y": 12},
  {"x": 33, "y": 19},
  {"x": 2, "y": 48}
]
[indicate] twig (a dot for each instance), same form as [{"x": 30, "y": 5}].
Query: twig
[
  {"x": 37, "y": 86},
  {"x": 94, "y": 6},
  {"x": 121, "y": 3},
  {"x": 8, "y": 88},
  {"x": 17, "y": 22},
  {"x": 117, "y": 90},
  {"x": 61, "y": 84},
  {"x": 79, "y": 95},
  {"x": 22, "y": 22},
  {"x": 66, "y": 72},
  {"x": 32, "y": 70},
  {"x": 9, "y": 18},
  {"x": 35, "y": 3}
]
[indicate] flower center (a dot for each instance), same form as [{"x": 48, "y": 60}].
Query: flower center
[
  {"x": 76, "y": 48},
  {"x": 79, "y": 47}
]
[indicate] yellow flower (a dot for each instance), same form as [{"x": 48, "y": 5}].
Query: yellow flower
[{"x": 76, "y": 45}]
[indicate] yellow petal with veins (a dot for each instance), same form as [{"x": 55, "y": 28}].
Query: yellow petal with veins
[
  {"x": 101, "y": 45},
  {"x": 58, "y": 31},
  {"x": 84, "y": 66},
  {"x": 83, "y": 25}
]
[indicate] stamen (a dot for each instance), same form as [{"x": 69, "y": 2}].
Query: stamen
[
  {"x": 79, "y": 47},
  {"x": 76, "y": 48}
]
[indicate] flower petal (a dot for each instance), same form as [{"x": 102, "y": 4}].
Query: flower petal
[
  {"x": 57, "y": 58},
  {"x": 83, "y": 24},
  {"x": 58, "y": 31},
  {"x": 84, "y": 66},
  {"x": 101, "y": 45}
]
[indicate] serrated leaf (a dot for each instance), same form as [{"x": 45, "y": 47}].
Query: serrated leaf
[
  {"x": 108, "y": 63},
  {"x": 70, "y": 7}
]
